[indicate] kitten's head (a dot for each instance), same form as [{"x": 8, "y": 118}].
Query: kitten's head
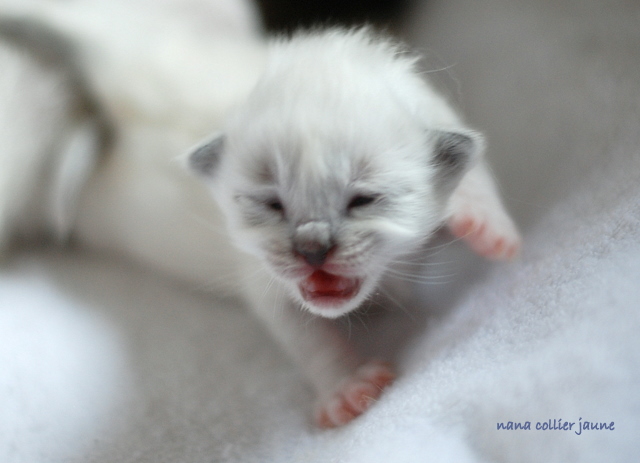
[{"x": 338, "y": 164}]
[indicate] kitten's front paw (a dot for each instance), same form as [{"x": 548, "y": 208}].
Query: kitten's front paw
[
  {"x": 355, "y": 395},
  {"x": 491, "y": 237},
  {"x": 477, "y": 216}
]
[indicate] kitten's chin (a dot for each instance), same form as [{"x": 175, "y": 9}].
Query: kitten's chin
[{"x": 330, "y": 295}]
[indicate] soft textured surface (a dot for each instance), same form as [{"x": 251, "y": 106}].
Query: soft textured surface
[{"x": 103, "y": 362}]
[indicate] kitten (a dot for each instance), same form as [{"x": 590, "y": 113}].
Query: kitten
[
  {"x": 338, "y": 161},
  {"x": 341, "y": 162}
]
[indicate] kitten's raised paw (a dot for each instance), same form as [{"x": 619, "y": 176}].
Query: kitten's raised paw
[
  {"x": 493, "y": 239},
  {"x": 355, "y": 395}
]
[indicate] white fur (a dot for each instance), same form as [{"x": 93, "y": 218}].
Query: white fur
[
  {"x": 46, "y": 150},
  {"x": 335, "y": 114}
]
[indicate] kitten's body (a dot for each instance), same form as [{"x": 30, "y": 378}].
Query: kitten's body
[{"x": 338, "y": 164}]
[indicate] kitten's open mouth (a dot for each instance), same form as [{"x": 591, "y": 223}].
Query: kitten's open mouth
[{"x": 325, "y": 289}]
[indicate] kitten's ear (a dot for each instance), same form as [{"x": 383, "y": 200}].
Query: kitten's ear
[
  {"x": 454, "y": 153},
  {"x": 205, "y": 158}
]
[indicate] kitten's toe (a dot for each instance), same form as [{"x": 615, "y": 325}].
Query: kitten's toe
[
  {"x": 355, "y": 395},
  {"x": 491, "y": 237}
]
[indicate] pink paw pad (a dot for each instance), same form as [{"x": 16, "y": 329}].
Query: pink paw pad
[
  {"x": 355, "y": 395},
  {"x": 493, "y": 243}
]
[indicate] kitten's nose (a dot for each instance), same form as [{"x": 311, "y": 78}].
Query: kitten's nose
[
  {"x": 313, "y": 242},
  {"x": 313, "y": 252}
]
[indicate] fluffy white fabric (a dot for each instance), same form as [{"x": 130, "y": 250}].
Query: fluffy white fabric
[{"x": 103, "y": 362}]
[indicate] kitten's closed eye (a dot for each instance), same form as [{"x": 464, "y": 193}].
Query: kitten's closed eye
[
  {"x": 361, "y": 201},
  {"x": 274, "y": 204}
]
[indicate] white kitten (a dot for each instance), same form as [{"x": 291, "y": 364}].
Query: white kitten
[{"x": 341, "y": 161}]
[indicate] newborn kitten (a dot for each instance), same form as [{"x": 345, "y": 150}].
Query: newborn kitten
[{"x": 340, "y": 163}]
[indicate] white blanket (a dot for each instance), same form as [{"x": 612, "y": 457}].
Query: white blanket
[{"x": 101, "y": 361}]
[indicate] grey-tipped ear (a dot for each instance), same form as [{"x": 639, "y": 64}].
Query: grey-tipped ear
[
  {"x": 454, "y": 153},
  {"x": 205, "y": 158}
]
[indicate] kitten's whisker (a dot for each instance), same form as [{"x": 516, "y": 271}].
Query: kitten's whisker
[
  {"x": 415, "y": 277},
  {"x": 440, "y": 247},
  {"x": 349, "y": 328},
  {"x": 361, "y": 319},
  {"x": 398, "y": 304},
  {"x": 442, "y": 69},
  {"x": 268, "y": 287},
  {"x": 409, "y": 273},
  {"x": 419, "y": 263},
  {"x": 426, "y": 281}
]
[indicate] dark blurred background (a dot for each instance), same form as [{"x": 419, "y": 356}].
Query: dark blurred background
[{"x": 286, "y": 15}]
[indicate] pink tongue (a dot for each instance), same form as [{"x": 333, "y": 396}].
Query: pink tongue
[{"x": 321, "y": 282}]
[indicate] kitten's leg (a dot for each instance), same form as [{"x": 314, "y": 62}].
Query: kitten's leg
[
  {"x": 354, "y": 395},
  {"x": 345, "y": 384},
  {"x": 477, "y": 215}
]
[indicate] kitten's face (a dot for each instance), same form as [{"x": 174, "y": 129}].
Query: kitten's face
[
  {"x": 327, "y": 207},
  {"x": 329, "y": 212},
  {"x": 330, "y": 182}
]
